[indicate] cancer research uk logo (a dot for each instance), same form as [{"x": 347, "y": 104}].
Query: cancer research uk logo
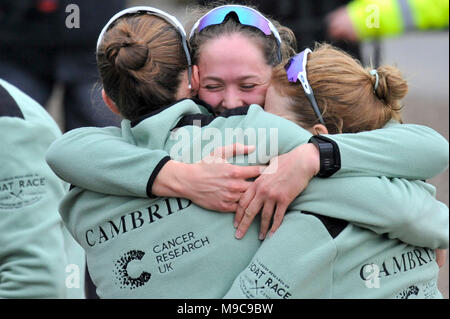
[{"x": 21, "y": 191}]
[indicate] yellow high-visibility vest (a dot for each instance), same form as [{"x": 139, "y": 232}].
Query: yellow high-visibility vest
[{"x": 373, "y": 18}]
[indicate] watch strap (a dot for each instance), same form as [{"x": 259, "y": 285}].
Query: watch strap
[{"x": 330, "y": 157}]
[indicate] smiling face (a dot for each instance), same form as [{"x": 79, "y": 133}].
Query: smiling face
[{"x": 232, "y": 72}]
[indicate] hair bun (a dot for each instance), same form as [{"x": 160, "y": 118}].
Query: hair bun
[
  {"x": 392, "y": 86},
  {"x": 125, "y": 53}
]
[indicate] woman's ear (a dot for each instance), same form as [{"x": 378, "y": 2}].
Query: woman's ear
[
  {"x": 319, "y": 129},
  {"x": 195, "y": 81},
  {"x": 112, "y": 106}
]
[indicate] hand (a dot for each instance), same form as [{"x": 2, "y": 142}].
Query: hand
[
  {"x": 283, "y": 180},
  {"x": 212, "y": 183},
  {"x": 441, "y": 256},
  {"x": 340, "y": 26}
]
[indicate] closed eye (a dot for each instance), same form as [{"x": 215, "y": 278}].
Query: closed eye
[
  {"x": 248, "y": 86},
  {"x": 213, "y": 87}
]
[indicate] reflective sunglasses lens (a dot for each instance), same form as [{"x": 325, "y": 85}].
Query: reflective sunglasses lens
[
  {"x": 294, "y": 67},
  {"x": 246, "y": 16},
  {"x": 254, "y": 19},
  {"x": 214, "y": 17}
]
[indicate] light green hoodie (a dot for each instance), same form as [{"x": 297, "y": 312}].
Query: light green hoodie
[
  {"x": 312, "y": 256},
  {"x": 38, "y": 256},
  {"x": 141, "y": 248}
]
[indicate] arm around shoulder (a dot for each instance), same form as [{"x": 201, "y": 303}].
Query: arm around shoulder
[
  {"x": 101, "y": 160},
  {"x": 398, "y": 150}
]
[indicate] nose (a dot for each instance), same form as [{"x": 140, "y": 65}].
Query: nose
[{"x": 232, "y": 99}]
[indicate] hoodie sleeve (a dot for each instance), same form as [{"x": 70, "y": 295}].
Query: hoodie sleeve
[
  {"x": 399, "y": 208},
  {"x": 101, "y": 160},
  {"x": 398, "y": 150}
]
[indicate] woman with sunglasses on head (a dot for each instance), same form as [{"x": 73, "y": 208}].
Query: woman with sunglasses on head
[
  {"x": 141, "y": 248},
  {"x": 314, "y": 256},
  {"x": 108, "y": 153},
  {"x": 231, "y": 78}
]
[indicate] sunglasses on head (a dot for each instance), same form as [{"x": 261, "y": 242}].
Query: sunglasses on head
[
  {"x": 296, "y": 71},
  {"x": 247, "y": 16},
  {"x": 152, "y": 11}
]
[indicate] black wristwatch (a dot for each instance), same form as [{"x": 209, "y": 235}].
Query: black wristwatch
[{"x": 330, "y": 158}]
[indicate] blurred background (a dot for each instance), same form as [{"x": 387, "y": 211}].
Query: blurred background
[{"x": 64, "y": 88}]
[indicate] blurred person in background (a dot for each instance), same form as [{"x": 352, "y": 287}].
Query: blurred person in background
[
  {"x": 362, "y": 20},
  {"x": 46, "y": 42},
  {"x": 38, "y": 256},
  {"x": 368, "y": 19}
]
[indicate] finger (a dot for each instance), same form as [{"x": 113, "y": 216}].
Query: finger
[
  {"x": 245, "y": 223},
  {"x": 228, "y": 207},
  {"x": 278, "y": 218},
  {"x": 249, "y": 215},
  {"x": 441, "y": 255},
  {"x": 240, "y": 187},
  {"x": 232, "y": 150},
  {"x": 266, "y": 218},
  {"x": 238, "y": 216},
  {"x": 247, "y": 172},
  {"x": 241, "y": 149},
  {"x": 213, "y": 159},
  {"x": 243, "y": 204},
  {"x": 233, "y": 197}
]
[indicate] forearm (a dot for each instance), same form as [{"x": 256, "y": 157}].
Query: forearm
[{"x": 170, "y": 181}]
